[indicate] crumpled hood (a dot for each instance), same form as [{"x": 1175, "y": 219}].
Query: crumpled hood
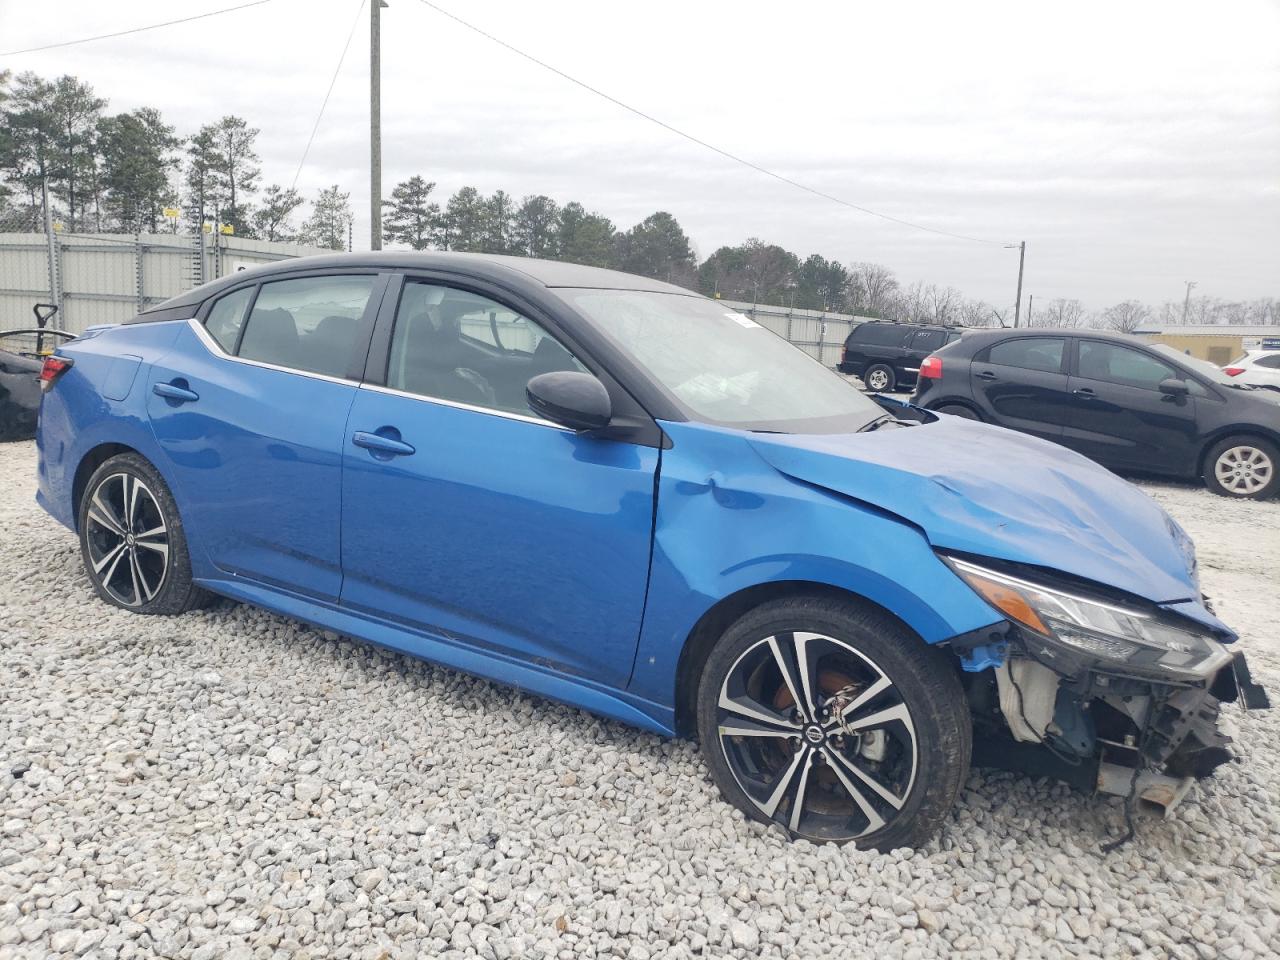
[{"x": 992, "y": 492}]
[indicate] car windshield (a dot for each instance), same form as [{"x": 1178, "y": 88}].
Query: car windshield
[{"x": 719, "y": 366}]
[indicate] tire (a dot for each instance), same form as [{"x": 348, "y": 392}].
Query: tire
[
  {"x": 1244, "y": 468},
  {"x": 957, "y": 410},
  {"x": 879, "y": 378},
  {"x": 907, "y": 768},
  {"x": 132, "y": 540}
]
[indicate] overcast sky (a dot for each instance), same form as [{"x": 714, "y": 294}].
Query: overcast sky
[{"x": 1132, "y": 145}]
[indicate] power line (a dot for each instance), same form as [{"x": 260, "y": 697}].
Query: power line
[
  {"x": 124, "y": 33},
  {"x": 702, "y": 143},
  {"x": 334, "y": 79}
]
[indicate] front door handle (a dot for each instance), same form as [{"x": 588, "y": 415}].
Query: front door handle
[
  {"x": 987, "y": 375},
  {"x": 376, "y": 444},
  {"x": 1084, "y": 393},
  {"x": 171, "y": 391}
]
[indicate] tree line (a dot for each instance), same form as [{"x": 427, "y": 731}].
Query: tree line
[{"x": 121, "y": 172}]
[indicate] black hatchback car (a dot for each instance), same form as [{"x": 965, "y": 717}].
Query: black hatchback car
[
  {"x": 887, "y": 355},
  {"x": 1131, "y": 406}
]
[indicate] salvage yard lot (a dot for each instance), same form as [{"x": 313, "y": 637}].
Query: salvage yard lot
[{"x": 232, "y": 783}]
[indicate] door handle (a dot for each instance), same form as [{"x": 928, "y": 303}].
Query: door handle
[
  {"x": 375, "y": 443},
  {"x": 1084, "y": 393},
  {"x": 171, "y": 391},
  {"x": 987, "y": 375}
]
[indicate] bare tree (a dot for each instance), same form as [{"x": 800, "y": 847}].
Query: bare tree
[
  {"x": 943, "y": 303},
  {"x": 1126, "y": 317},
  {"x": 977, "y": 313},
  {"x": 877, "y": 286},
  {"x": 1066, "y": 314}
]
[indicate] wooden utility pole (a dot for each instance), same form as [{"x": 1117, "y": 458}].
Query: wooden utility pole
[
  {"x": 1186, "y": 303},
  {"x": 1031, "y": 302},
  {"x": 1017, "y": 303},
  {"x": 375, "y": 124}
]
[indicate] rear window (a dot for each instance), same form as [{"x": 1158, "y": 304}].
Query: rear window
[
  {"x": 1029, "y": 353},
  {"x": 1270, "y": 360}
]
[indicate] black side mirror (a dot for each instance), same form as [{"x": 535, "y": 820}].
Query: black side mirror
[
  {"x": 1174, "y": 388},
  {"x": 575, "y": 400}
]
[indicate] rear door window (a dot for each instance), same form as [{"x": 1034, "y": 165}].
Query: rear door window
[
  {"x": 227, "y": 316},
  {"x": 881, "y": 334},
  {"x": 1271, "y": 361},
  {"x": 929, "y": 340},
  {"x": 1029, "y": 353},
  {"x": 311, "y": 323}
]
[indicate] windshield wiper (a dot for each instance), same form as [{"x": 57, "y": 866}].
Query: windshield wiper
[{"x": 877, "y": 423}]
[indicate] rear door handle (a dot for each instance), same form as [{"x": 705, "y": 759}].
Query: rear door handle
[
  {"x": 171, "y": 391},
  {"x": 376, "y": 444},
  {"x": 1084, "y": 393},
  {"x": 987, "y": 375}
]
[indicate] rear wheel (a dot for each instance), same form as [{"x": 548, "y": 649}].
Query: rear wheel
[
  {"x": 879, "y": 378},
  {"x": 1243, "y": 467},
  {"x": 956, "y": 410},
  {"x": 132, "y": 541},
  {"x": 835, "y": 722}
]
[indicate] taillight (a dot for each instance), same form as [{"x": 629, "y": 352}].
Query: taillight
[
  {"x": 1233, "y": 371},
  {"x": 931, "y": 368},
  {"x": 53, "y": 368}
]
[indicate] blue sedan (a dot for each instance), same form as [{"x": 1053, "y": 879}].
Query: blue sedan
[{"x": 614, "y": 492}]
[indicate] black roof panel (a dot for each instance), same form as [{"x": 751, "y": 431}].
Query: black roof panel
[{"x": 548, "y": 273}]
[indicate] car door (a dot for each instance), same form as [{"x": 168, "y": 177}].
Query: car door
[
  {"x": 465, "y": 516},
  {"x": 1121, "y": 418},
  {"x": 1021, "y": 383},
  {"x": 249, "y": 408}
]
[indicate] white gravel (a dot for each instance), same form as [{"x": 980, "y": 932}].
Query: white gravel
[{"x": 232, "y": 784}]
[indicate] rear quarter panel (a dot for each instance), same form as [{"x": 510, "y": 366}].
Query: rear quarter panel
[{"x": 99, "y": 400}]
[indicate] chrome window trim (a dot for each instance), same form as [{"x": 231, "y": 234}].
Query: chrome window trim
[
  {"x": 215, "y": 348},
  {"x": 505, "y": 415}
]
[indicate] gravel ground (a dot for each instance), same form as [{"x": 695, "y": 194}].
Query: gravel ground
[{"x": 232, "y": 784}]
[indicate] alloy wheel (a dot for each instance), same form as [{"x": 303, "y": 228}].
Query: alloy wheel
[
  {"x": 128, "y": 539},
  {"x": 1243, "y": 469},
  {"x": 878, "y": 380},
  {"x": 817, "y": 736}
]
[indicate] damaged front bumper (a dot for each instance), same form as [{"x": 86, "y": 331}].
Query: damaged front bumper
[{"x": 1103, "y": 729}]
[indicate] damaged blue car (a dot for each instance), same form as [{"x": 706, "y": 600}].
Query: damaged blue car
[{"x": 611, "y": 491}]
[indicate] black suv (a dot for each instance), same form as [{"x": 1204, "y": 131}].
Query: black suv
[{"x": 887, "y": 355}]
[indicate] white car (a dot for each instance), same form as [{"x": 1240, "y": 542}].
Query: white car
[{"x": 1258, "y": 368}]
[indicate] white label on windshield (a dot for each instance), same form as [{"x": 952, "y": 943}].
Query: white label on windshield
[{"x": 742, "y": 320}]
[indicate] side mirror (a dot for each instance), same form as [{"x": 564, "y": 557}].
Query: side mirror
[
  {"x": 575, "y": 400},
  {"x": 1174, "y": 388}
]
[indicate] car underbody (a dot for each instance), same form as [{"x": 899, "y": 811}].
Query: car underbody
[{"x": 1101, "y": 730}]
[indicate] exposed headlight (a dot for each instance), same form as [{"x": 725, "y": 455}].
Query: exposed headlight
[{"x": 1142, "y": 640}]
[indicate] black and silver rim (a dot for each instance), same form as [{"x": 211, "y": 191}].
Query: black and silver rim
[
  {"x": 817, "y": 736},
  {"x": 128, "y": 540},
  {"x": 878, "y": 380},
  {"x": 1243, "y": 469}
]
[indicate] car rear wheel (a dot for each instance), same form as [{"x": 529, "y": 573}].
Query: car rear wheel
[
  {"x": 1243, "y": 467},
  {"x": 879, "y": 378},
  {"x": 132, "y": 540},
  {"x": 956, "y": 410},
  {"x": 833, "y": 721}
]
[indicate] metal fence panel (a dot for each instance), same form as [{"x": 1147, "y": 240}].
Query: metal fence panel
[{"x": 107, "y": 278}]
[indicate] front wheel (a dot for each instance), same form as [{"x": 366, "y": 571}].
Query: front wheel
[
  {"x": 1243, "y": 467},
  {"x": 132, "y": 541},
  {"x": 835, "y": 722}
]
